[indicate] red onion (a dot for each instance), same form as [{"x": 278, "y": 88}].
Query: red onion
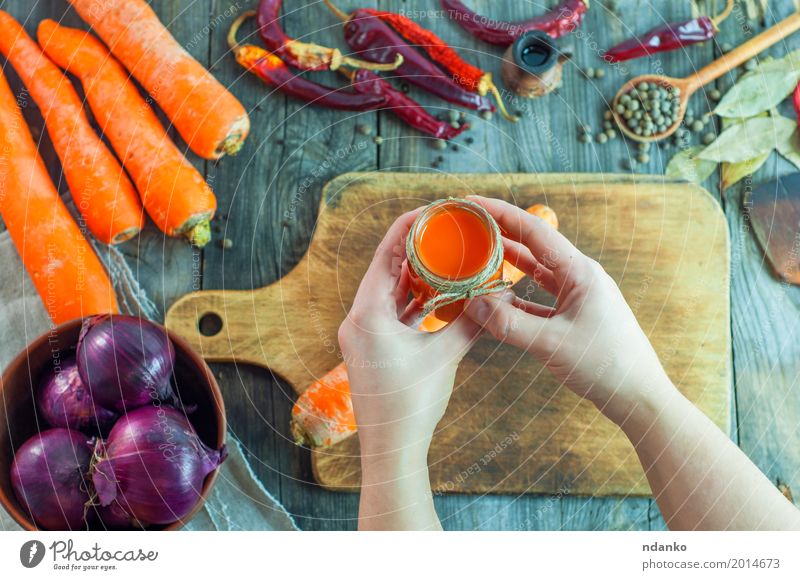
[
  {"x": 154, "y": 464},
  {"x": 126, "y": 361},
  {"x": 50, "y": 476},
  {"x": 64, "y": 401}
]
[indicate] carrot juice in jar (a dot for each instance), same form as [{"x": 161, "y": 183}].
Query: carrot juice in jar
[{"x": 454, "y": 252}]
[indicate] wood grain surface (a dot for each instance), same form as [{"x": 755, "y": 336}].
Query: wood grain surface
[
  {"x": 269, "y": 201},
  {"x": 510, "y": 426}
]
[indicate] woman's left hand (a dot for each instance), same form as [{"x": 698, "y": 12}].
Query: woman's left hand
[{"x": 401, "y": 378}]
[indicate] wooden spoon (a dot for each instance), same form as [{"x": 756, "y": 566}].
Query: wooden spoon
[{"x": 711, "y": 72}]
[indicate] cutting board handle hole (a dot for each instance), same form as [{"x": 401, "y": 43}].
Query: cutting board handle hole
[{"x": 210, "y": 324}]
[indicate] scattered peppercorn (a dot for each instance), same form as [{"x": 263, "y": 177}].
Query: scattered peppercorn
[
  {"x": 643, "y": 158},
  {"x": 751, "y": 64},
  {"x": 226, "y": 243},
  {"x": 439, "y": 144},
  {"x": 599, "y": 73},
  {"x": 715, "y": 95},
  {"x": 486, "y": 115},
  {"x": 611, "y": 134},
  {"x": 364, "y": 129},
  {"x": 709, "y": 138},
  {"x": 378, "y": 140},
  {"x": 470, "y": 140},
  {"x": 589, "y": 72},
  {"x": 602, "y": 138},
  {"x": 453, "y": 116},
  {"x": 697, "y": 126}
]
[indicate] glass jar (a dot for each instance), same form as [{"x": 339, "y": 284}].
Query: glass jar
[{"x": 454, "y": 249}]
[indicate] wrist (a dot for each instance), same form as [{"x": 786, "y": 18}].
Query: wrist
[
  {"x": 382, "y": 460},
  {"x": 641, "y": 403}
]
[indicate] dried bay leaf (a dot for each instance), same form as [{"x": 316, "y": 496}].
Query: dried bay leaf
[
  {"x": 733, "y": 173},
  {"x": 790, "y": 147},
  {"x": 748, "y": 140},
  {"x": 686, "y": 165},
  {"x": 763, "y": 88}
]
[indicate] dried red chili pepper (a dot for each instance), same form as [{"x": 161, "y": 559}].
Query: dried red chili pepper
[
  {"x": 273, "y": 71},
  {"x": 561, "y": 20},
  {"x": 403, "y": 106},
  {"x": 304, "y": 55},
  {"x": 669, "y": 37},
  {"x": 373, "y": 39},
  {"x": 463, "y": 73}
]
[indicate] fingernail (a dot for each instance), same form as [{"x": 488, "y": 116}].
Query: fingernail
[{"x": 478, "y": 309}]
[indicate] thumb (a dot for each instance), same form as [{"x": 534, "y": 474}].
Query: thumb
[{"x": 509, "y": 324}]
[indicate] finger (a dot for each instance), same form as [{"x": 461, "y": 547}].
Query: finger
[
  {"x": 533, "y": 308},
  {"x": 511, "y": 325},
  {"x": 402, "y": 290},
  {"x": 412, "y": 314},
  {"x": 521, "y": 258},
  {"x": 459, "y": 336},
  {"x": 376, "y": 291},
  {"x": 547, "y": 245}
]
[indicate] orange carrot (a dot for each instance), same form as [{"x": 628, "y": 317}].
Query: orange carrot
[
  {"x": 102, "y": 191},
  {"x": 323, "y": 415},
  {"x": 174, "y": 193},
  {"x": 511, "y": 272},
  {"x": 65, "y": 270},
  {"x": 207, "y": 116}
]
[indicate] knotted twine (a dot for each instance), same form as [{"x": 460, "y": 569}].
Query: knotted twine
[{"x": 449, "y": 290}]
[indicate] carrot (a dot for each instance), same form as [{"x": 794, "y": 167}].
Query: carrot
[
  {"x": 511, "y": 272},
  {"x": 323, "y": 415},
  {"x": 102, "y": 191},
  {"x": 174, "y": 193},
  {"x": 207, "y": 116},
  {"x": 65, "y": 270}
]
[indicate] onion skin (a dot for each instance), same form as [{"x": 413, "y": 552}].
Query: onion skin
[
  {"x": 50, "y": 477},
  {"x": 65, "y": 401},
  {"x": 125, "y": 361},
  {"x": 154, "y": 464}
]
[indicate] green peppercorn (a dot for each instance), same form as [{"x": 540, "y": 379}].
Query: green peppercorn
[
  {"x": 643, "y": 86},
  {"x": 601, "y": 138},
  {"x": 628, "y": 114},
  {"x": 364, "y": 129},
  {"x": 486, "y": 115},
  {"x": 585, "y": 138},
  {"x": 635, "y": 105},
  {"x": 624, "y": 99},
  {"x": 697, "y": 126},
  {"x": 378, "y": 140},
  {"x": 453, "y": 116},
  {"x": 608, "y": 115},
  {"x": 607, "y": 125},
  {"x": 599, "y": 73},
  {"x": 611, "y": 134},
  {"x": 715, "y": 95},
  {"x": 439, "y": 144},
  {"x": 643, "y": 146},
  {"x": 643, "y": 158},
  {"x": 751, "y": 64},
  {"x": 709, "y": 138}
]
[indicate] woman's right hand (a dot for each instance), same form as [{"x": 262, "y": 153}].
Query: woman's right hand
[{"x": 591, "y": 340}]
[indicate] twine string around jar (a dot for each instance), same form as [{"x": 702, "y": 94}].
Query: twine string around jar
[{"x": 449, "y": 291}]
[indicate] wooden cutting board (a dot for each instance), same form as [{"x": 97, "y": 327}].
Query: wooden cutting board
[{"x": 510, "y": 427}]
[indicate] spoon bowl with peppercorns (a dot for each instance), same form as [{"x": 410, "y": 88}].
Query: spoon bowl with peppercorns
[{"x": 651, "y": 107}]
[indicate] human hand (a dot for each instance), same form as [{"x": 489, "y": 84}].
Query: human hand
[
  {"x": 591, "y": 340},
  {"x": 401, "y": 378}
]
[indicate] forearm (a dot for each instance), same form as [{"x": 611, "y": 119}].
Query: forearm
[
  {"x": 700, "y": 479},
  {"x": 396, "y": 492}
]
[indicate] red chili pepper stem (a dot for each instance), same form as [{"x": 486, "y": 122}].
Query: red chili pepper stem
[{"x": 306, "y": 52}]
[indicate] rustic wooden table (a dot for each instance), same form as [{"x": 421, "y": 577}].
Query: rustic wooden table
[{"x": 269, "y": 196}]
